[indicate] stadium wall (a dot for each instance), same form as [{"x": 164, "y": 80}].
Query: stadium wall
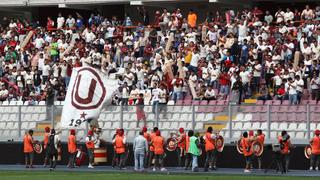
[{"x": 12, "y": 153}]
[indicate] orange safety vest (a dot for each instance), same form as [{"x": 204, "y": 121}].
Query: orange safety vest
[
  {"x": 27, "y": 144},
  {"x": 182, "y": 142},
  {"x": 120, "y": 146},
  {"x": 260, "y": 139},
  {"x": 46, "y": 140},
  {"x": 152, "y": 135},
  {"x": 158, "y": 143},
  {"x": 147, "y": 136},
  {"x": 187, "y": 143},
  {"x": 90, "y": 144},
  {"x": 316, "y": 145},
  {"x": 246, "y": 146},
  {"x": 72, "y": 146},
  {"x": 286, "y": 146},
  {"x": 209, "y": 142}
]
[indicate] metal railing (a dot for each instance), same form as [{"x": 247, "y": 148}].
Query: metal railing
[{"x": 231, "y": 120}]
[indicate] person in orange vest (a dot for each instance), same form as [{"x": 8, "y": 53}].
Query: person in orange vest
[
  {"x": 146, "y": 135},
  {"x": 90, "y": 148},
  {"x": 315, "y": 154},
  {"x": 158, "y": 144},
  {"x": 181, "y": 146},
  {"x": 286, "y": 146},
  {"x": 28, "y": 149},
  {"x": 151, "y": 147},
  {"x": 120, "y": 148},
  {"x": 247, "y": 151},
  {"x": 188, "y": 155},
  {"x": 114, "y": 159},
  {"x": 72, "y": 148},
  {"x": 210, "y": 149},
  {"x": 192, "y": 19},
  {"x": 260, "y": 138},
  {"x": 45, "y": 144}
]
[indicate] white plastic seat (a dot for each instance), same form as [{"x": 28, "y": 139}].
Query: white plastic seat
[
  {"x": 13, "y": 117},
  {"x": 255, "y": 125},
  {"x": 57, "y": 103},
  {"x": 209, "y": 117},
  {"x": 24, "y": 125},
  {"x": 300, "y": 135},
  {"x": 14, "y": 134},
  {"x": 5, "y": 117},
  {"x": 165, "y": 134},
  {"x": 42, "y": 117},
  {"x": 170, "y": 103},
  {"x": 116, "y": 125},
  {"x": 302, "y": 126},
  {"x": 313, "y": 126},
  {"x": 274, "y": 126},
  {"x": 186, "y": 117},
  {"x": 200, "y": 117},
  {"x": 247, "y": 126},
  {"x": 199, "y": 126},
  {"x": 80, "y": 134},
  {"x": 248, "y": 117},
  {"x": 116, "y": 117},
  {"x": 283, "y": 126},
  {"x": 62, "y": 103},
  {"x": 186, "y": 109},
  {"x": 13, "y": 103},
  {"x": 9, "y": 125},
  {"x": 32, "y": 125},
  {"x": 176, "y": 117},
  {"x": 273, "y": 134},
  {"x": 175, "y": 125},
  {"x": 19, "y": 103},
  {"x": 5, "y": 103},
  {"x": 125, "y": 125},
  {"x": 42, "y": 103},
  {"x": 107, "y": 125},
  {"x": 236, "y": 134},
  {"x": 108, "y": 117},
  {"x": 239, "y": 117},
  {"x": 2, "y": 125},
  {"x": 133, "y": 125},
  {"x": 182, "y": 124},
  {"x": 264, "y": 126},
  {"x": 237, "y": 126},
  {"x": 165, "y": 125},
  {"x": 35, "y": 117},
  {"x": 292, "y": 126}
]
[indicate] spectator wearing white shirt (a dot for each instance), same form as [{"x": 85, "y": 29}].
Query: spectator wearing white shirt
[
  {"x": 70, "y": 22},
  {"x": 315, "y": 83},
  {"x": 300, "y": 87},
  {"x": 256, "y": 76},
  {"x": 210, "y": 94},
  {"x": 292, "y": 91},
  {"x": 60, "y": 21}
]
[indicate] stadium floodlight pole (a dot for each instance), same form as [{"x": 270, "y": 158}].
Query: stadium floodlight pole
[
  {"x": 269, "y": 122},
  {"x": 308, "y": 120},
  {"x": 193, "y": 117},
  {"x": 230, "y": 119},
  {"x": 19, "y": 123},
  {"x": 157, "y": 115},
  {"x": 121, "y": 116}
]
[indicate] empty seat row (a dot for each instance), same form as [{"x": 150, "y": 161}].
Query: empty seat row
[{"x": 273, "y": 126}]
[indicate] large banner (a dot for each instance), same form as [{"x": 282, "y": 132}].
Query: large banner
[{"x": 88, "y": 90}]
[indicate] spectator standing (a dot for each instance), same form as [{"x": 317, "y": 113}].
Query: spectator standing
[{"x": 140, "y": 148}]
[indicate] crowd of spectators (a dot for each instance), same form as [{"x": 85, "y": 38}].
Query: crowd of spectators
[{"x": 230, "y": 55}]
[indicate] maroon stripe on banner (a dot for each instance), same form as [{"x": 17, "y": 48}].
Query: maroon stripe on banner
[{"x": 100, "y": 155}]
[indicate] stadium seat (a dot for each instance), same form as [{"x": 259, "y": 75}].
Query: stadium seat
[
  {"x": 302, "y": 126},
  {"x": 283, "y": 126},
  {"x": 236, "y": 134},
  {"x": 247, "y": 117},
  {"x": 247, "y": 126},
  {"x": 274, "y": 126},
  {"x": 255, "y": 125},
  {"x": 292, "y": 126},
  {"x": 237, "y": 126},
  {"x": 300, "y": 135}
]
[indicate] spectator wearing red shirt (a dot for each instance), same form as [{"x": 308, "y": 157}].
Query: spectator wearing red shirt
[
  {"x": 50, "y": 23},
  {"x": 224, "y": 80}
]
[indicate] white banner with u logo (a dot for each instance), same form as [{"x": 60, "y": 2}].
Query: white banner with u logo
[{"x": 88, "y": 90}]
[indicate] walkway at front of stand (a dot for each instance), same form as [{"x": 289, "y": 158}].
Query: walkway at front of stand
[{"x": 170, "y": 170}]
